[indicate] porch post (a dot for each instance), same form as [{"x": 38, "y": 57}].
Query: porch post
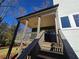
[
  {"x": 22, "y": 38},
  {"x": 57, "y": 27},
  {"x": 38, "y": 26},
  {"x": 24, "y": 31}
]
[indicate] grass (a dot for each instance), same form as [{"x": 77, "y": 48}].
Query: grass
[{"x": 3, "y": 52}]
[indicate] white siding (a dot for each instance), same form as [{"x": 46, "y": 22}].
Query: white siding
[
  {"x": 72, "y": 37},
  {"x": 67, "y": 7}
]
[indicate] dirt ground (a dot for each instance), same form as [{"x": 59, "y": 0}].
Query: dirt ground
[
  {"x": 3, "y": 52},
  {"x": 1, "y": 57}
]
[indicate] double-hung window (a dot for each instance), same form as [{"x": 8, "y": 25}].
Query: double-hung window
[
  {"x": 76, "y": 18},
  {"x": 65, "y": 22}
]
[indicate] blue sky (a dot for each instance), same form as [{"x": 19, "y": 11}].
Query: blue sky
[{"x": 22, "y": 7}]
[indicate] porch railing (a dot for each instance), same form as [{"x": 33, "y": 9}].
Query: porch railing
[
  {"x": 26, "y": 51},
  {"x": 27, "y": 36}
]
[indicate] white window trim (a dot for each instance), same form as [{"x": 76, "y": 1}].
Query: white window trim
[
  {"x": 72, "y": 22},
  {"x": 75, "y": 21},
  {"x": 61, "y": 24}
]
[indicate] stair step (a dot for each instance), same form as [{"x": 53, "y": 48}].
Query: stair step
[
  {"x": 48, "y": 51},
  {"x": 44, "y": 57},
  {"x": 49, "y": 55},
  {"x": 45, "y": 45}
]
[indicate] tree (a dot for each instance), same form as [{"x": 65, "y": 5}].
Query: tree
[
  {"x": 0, "y": 19},
  {"x": 6, "y": 33},
  {"x": 1, "y": 1},
  {"x": 3, "y": 27}
]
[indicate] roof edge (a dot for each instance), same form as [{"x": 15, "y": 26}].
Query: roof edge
[{"x": 39, "y": 11}]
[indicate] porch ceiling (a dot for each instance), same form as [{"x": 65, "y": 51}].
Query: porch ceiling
[
  {"x": 47, "y": 18},
  {"x": 46, "y": 21}
]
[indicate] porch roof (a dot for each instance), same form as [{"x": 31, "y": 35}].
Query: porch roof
[
  {"x": 47, "y": 17},
  {"x": 38, "y": 12}
]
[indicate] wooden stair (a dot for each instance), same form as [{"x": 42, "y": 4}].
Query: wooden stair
[
  {"x": 48, "y": 55},
  {"x": 44, "y": 57},
  {"x": 50, "y": 51},
  {"x": 51, "y": 47}
]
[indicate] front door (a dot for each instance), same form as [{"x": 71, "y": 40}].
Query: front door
[{"x": 50, "y": 36}]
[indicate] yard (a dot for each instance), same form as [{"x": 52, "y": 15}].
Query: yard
[{"x": 4, "y": 50}]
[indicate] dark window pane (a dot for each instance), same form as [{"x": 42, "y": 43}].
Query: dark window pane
[
  {"x": 76, "y": 18},
  {"x": 65, "y": 22}
]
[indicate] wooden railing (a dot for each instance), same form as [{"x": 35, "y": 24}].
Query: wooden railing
[
  {"x": 28, "y": 35},
  {"x": 25, "y": 52},
  {"x": 58, "y": 47},
  {"x": 60, "y": 41}
]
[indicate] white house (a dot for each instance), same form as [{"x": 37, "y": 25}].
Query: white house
[
  {"x": 63, "y": 19},
  {"x": 68, "y": 20}
]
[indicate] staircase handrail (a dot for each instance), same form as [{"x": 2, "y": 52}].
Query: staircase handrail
[{"x": 28, "y": 49}]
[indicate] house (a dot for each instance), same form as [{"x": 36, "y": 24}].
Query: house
[{"x": 56, "y": 32}]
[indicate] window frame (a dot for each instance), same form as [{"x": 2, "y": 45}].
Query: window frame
[
  {"x": 76, "y": 20},
  {"x": 69, "y": 23}
]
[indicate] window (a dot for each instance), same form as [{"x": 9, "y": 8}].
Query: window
[
  {"x": 76, "y": 18},
  {"x": 65, "y": 22}
]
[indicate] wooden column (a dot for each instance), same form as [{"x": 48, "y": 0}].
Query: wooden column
[
  {"x": 38, "y": 26},
  {"x": 28, "y": 57},
  {"x": 22, "y": 38},
  {"x": 57, "y": 26},
  {"x": 24, "y": 32}
]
